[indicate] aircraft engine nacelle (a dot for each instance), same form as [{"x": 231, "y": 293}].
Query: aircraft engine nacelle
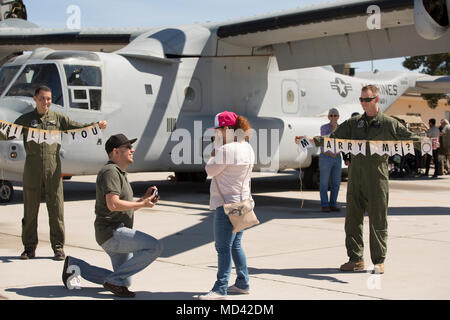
[{"x": 431, "y": 18}]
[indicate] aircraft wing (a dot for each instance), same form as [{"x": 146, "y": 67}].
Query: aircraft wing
[
  {"x": 341, "y": 32},
  {"x": 431, "y": 84},
  {"x": 17, "y": 35}
]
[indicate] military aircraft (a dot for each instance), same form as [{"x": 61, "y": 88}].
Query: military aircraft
[{"x": 164, "y": 85}]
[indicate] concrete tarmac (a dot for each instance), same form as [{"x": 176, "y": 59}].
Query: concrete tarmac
[{"x": 294, "y": 253}]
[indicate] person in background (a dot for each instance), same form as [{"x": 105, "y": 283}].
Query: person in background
[
  {"x": 433, "y": 133},
  {"x": 444, "y": 141},
  {"x": 330, "y": 166}
]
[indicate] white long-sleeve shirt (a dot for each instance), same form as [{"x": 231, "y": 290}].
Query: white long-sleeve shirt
[{"x": 230, "y": 168}]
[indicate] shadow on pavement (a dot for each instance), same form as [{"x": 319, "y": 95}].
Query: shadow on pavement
[
  {"x": 267, "y": 207},
  {"x": 49, "y": 292},
  {"x": 7, "y": 259},
  {"x": 307, "y": 273}
]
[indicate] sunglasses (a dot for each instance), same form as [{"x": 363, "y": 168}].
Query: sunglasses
[
  {"x": 128, "y": 146},
  {"x": 333, "y": 115},
  {"x": 366, "y": 99}
]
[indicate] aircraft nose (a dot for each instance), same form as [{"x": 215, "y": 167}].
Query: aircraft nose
[
  {"x": 7, "y": 115},
  {"x": 12, "y": 108}
]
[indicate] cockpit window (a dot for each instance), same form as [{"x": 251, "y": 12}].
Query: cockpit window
[
  {"x": 83, "y": 75},
  {"x": 84, "y": 84},
  {"x": 35, "y": 75},
  {"x": 6, "y": 75}
]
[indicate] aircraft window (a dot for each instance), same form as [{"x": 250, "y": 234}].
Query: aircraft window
[
  {"x": 78, "y": 99},
  {"x": 80, "y": 94},
  {"x": 6, "y": 75},
  {"x": 290, "y": 96},
  {"x": 95, "y": 97},
  {"x": 189, "y": 94},
  {"x": 78, "y": 75},
  {"x": 35, "y": 75},
  {"x": 84, "y": 84}
]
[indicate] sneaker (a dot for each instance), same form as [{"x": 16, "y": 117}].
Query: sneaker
[
  {"x": 352, "y": 266},
  {"x": 119, "y": 291},
  {"x": 334, "y": 208},
  {"x": 65, "y": 275},
  {"x": 378, "y": 268},
  {"x": 234, "y": 289},
  {"x": 212, "y": 295},
  {"x": 325, "y": 209},
  {"x": 59, "y": 255},
  {"x": 27, "y": 254}
]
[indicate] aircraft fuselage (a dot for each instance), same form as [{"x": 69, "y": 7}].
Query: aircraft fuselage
[{"x": 170, "y": 106}]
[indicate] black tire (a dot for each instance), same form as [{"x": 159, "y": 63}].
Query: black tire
[
  {"x": 191, "y": 176},
  {"x": 6, "y": 191}
]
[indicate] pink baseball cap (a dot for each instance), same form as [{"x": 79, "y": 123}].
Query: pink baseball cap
[{"x": 225, "y": 118}]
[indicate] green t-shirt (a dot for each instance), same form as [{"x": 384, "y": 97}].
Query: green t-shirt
[{"x": 111, "y": 179}]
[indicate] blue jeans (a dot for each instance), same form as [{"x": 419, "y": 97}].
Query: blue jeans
[
  {"x": 329, "y": 168},
  {"x": 228, "y": 247},
  {"x": 130, "y": 252}
]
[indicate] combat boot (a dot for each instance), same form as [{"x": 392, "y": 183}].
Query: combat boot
[
  {"x": 378, "y": 268},
  {"x": 59, "y": 255},
  {"x": 352, "y": 266},
  {"x": 28, "y": 254}
]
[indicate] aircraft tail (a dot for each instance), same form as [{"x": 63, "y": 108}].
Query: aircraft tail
[{"x": 410, "y": 82}]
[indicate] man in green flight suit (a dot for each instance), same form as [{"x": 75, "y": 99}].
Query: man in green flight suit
[
  {"x": 368, "y": 180},
  {"x": 368, "y": 183},
  {"x": 43, "y": 169}
]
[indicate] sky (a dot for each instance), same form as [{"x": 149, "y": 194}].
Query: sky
[{"x": 151, "y": 13}]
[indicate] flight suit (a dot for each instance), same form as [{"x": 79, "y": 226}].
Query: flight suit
[
  {"x": 368, "y": 183},
  {"x": 43, "y": 169}
]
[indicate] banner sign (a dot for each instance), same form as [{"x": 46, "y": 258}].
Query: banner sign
[
  {"x": 427, "y": 146},
  {"x": 381, "y": 148},
  {"x": 51, "y": 136},
  {"x": 305, "y": 144}
]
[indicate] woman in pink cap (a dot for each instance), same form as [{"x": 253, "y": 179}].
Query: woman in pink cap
[{"x": 230, "y": 167}]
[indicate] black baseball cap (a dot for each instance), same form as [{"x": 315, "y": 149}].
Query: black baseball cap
[{"x": 116, "y": 141}]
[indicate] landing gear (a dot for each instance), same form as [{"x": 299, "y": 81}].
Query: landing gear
[
  {"x": 311, "y": 177},
  {"x": 191, "y": 176},
  {"x": 6, "y": 191}
]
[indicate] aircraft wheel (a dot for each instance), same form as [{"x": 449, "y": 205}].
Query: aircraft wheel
[
  {"x": 199, "y": 176},
  {"x": 6, "y": 191},
  {"x": 191, "y": 176},
  {"x": 181, "y": 176}
]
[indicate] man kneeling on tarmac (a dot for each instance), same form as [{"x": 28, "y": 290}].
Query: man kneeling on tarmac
[{"x": 130, "y": 251}]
